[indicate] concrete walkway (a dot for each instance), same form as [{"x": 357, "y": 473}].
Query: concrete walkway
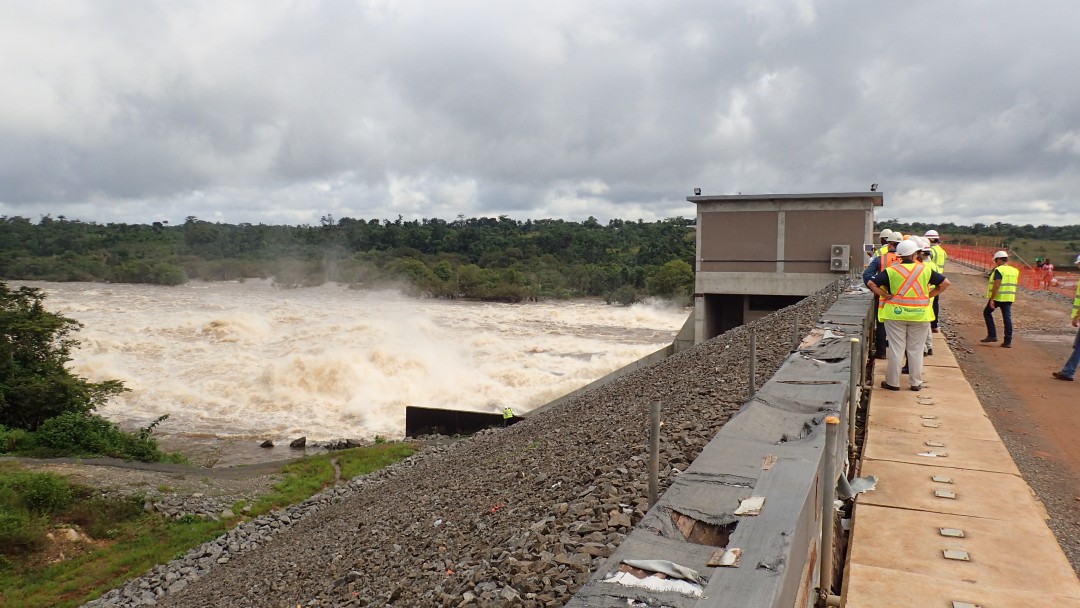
[{"x": 951, "y": 523}]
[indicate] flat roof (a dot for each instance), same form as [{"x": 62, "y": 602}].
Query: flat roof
[{"x": 876, "y": 197}]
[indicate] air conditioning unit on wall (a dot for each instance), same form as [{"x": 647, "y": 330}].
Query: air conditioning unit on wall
[{"x": 839, "y": 258}]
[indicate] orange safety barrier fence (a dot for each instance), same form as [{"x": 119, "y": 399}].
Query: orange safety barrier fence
[{"x": 1031, "y": 277}]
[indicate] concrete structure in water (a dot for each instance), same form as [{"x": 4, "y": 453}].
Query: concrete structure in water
[{"x": 759, "y": 253}]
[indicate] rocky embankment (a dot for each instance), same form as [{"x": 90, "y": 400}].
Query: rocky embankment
[{"x": 511, "y": 517}]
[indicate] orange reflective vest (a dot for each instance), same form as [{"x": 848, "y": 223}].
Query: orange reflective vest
[
  {"x": 888, "y": 258},
  {"x": 909, "y": 284}
]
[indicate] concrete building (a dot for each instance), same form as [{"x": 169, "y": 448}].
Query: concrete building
[{"x": 759, "y": 253}]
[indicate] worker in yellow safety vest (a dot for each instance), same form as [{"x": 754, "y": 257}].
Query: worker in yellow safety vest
[
  {"x": 938, "y": 255},
  {"x": 507, "y": 415},
  {"x": 1000, "y": 294},
  {"x": 904, "y": 291},
  {"x": 886, "y": 257},
  {"x": 884, "y": 236},
  {"x": 925, "y": 256},
  {"x": 1069, "y": 371}
]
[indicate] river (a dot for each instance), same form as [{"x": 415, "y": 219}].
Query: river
[{"x": 247, "y": 361}]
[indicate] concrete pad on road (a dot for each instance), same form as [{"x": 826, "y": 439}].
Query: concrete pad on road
[
  {"x": 908, "y": 416},
  {"x": 1018, "y": 555},
  {"x": 871, "y": 587},
  {"x": 943, "y": 355},
  {"x": 957, "y": 452},
  {"x": 939, "y": 381},
  {"x": 996, "y": 496}
]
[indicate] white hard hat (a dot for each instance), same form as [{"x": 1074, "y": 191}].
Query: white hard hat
[
  {"x": 885, "y": 232},
  {"x": 906, "y": 248},
  {"x": 895, "y": 237},
  {"x": 1077, "y": 260},
  {"x": 925, "y": 243},
  {"x": 1001, "y": 254},
  {"x": 931, "y": 234}
]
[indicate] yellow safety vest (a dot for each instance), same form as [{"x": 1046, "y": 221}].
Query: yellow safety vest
[
  {"x": 909, "y": 284},
  {"x": 883, "y": 249},
  {"x": 1076, "y": 302},
  {"x": 938, "y": 255},
  {"x": 934, "y": 267},
  {"x": 507, "y": 413},
  {"x": 1010, "y": 278}
]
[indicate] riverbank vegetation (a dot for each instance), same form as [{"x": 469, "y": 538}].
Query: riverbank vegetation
[
  {"x": 62, "y": 544},
  {"x": 45, "y": 410},
  {"x": 497, "y": 259}
]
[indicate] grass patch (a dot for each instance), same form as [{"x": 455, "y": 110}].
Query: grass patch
[{"x": 129, "y": 541}]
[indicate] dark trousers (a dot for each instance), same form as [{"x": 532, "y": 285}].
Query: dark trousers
[
  {"x": 1006, "y": 316},
  {"x": 937, "y": 313},
  {"x": 879, "y": 333}
]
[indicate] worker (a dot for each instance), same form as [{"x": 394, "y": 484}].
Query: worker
[
  {"x": 1047, "y": 274},
  {"x": 884, "y": 259},
  {"x": 926, "y": 256},
  {"x": 507, "y": 415},
  {"x": 904, "y": 291},
  {"x": 939, "y": 256},
  {"x": 884, "y": 237},
  {"x": 923, "y": 255},
  {"x": 1000, "y": 294},
  {"x": 1069, "y": 371}
]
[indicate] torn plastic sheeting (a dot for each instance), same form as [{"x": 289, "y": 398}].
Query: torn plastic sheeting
[
  {"x": 655, "y": 583},
  {"x": 664, "y": 566},
  {"x": 751, "y": 506},
  {"x": 849, "y": 489}
]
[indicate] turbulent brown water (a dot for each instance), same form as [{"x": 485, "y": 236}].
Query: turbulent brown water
[{"x": 248, "y": 361}]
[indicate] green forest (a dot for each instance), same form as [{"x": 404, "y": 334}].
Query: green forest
[{"x": 498, "y": 259}]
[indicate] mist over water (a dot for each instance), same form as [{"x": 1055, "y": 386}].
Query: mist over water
[{"x": 248, "y": 361}]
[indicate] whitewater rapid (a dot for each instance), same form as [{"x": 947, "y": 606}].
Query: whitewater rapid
[{"x": 244, "y": 360}]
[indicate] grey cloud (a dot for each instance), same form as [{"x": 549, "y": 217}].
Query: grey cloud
[{"x": 274, "y": 111}]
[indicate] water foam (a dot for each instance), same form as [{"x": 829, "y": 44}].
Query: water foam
[{"x": 249, "y": 360}]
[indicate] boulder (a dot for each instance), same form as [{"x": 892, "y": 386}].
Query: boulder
[{"x": 298, "y": 443}]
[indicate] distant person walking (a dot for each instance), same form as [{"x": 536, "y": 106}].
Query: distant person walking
[
  {"x": 904, "y": 291},
  {"x": 1000, "y": 294},
  {"x": 1069, "y": 371}
]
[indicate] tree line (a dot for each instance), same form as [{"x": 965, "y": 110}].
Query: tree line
[
  {"x": 997, "y": 229},
  {"x": 481, "y": 258}
]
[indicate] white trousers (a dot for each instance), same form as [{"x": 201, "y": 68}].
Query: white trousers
[{"x": 909, "y": 337}]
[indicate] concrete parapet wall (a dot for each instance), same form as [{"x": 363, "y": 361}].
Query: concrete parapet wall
[{"x": 773, "y": 448}]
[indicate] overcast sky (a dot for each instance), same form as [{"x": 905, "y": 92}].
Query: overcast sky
[{"x": 281, "y": 112}]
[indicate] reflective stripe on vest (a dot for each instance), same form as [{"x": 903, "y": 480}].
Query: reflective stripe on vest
[
  {"x": 910, "y": 285},
  {"x": 1010, "y": 277}
]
